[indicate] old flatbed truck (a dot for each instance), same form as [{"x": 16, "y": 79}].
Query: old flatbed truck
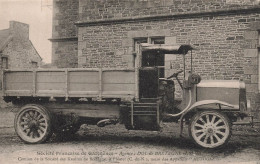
[{"x": 60, "y": 100}]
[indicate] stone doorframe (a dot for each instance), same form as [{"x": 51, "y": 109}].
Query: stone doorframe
[{"x": 128, "y": 56}]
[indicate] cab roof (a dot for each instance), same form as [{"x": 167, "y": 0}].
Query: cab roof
[{"x": 167, "y": 49}]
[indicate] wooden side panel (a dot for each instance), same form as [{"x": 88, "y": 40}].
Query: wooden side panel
[
  {"x": 18, "y": 81},
  {"x": 50, "y": 82},
  {"x": 84, "y": 82},
  {"x": 118, "y": 83},
  {"x": 100, "y": 83}
]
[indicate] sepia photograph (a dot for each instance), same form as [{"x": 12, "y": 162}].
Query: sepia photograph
[{"x": 129, "y": 81}]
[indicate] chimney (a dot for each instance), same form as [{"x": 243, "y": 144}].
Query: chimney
[{"x": 19, "y": 29}]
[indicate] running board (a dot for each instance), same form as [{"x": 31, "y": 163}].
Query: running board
[{"x": 252, "y": 122}]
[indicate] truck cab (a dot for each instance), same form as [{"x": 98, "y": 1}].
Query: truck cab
[{"x": 208, "y": 106}]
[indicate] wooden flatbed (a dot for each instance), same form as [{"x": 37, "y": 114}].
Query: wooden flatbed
[{"x": 89, "y": 83}]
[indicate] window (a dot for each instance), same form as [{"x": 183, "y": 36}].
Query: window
[
  {"x": 159, "y": 40},
  {"x": 34, "y": 64},
  {"x": 155, "y": 59},
  {"x": 151, "y": 40},
  {"x": 4, "y": 62},
  {"x": 137, "y": 41}
]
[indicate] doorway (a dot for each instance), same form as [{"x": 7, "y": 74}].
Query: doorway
[{"x": 151, "y": 70}]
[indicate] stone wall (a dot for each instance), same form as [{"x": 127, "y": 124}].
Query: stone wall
[
  {"x": 116, "y": 9},
  {"x": 20, "y": 50},
  {"x": 225, "y": 47},
  {"x": 19, "y": 30},
  {"x": 66, "y": 54},
  {"x": 21, "y": 55},
  {"x": 65, "y": 14},
  {"x": 64, "y": 33},
  {"x": 224, "y": 33}
]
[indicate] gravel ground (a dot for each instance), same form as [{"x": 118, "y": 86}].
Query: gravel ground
[{"x": 115, "y": 144}]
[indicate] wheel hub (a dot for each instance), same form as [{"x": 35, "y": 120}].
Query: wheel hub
[
  {"x": 210, "y": 130},
  {"x": 33, "y": 124}
]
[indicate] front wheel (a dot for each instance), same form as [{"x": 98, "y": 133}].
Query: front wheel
[
  {"x": 33, "y": 124},
  {"x": 210, "y": 129}
]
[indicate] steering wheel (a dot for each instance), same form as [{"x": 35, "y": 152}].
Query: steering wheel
[{"x": 175, "y": 74}]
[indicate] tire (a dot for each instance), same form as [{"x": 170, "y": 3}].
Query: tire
[
  {"x": 210, "y": 129},
  {"x": 33, "y": 124}
]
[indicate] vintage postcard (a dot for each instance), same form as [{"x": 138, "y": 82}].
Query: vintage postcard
[{"x": 129, "y": 81}]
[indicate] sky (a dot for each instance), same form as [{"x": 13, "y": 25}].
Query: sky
[{"x": 37, "y": 14}]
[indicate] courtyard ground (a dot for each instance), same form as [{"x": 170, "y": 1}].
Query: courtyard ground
[{"x": 115, "y": 144}]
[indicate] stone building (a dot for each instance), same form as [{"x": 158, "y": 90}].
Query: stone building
[
  {"x": 16, "y": 50},
  {"x": 104, "y": 33}
]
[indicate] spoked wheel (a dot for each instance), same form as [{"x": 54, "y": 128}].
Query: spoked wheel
[
  {"x": 210, "y": 129},
  {"x": 33, "y": 124}
]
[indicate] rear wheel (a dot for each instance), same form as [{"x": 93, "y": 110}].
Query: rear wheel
[
  {"x": 33, "y": 124},
  {"x": 210, "y": 129}
]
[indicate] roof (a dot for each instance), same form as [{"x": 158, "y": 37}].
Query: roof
[
  {"x": 168, "y": 49},
  {"x": 5, "y": 37},
  {"x": 35, "y": 49}
]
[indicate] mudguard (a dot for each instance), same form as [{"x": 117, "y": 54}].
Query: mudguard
[{"x": 204, "y": 102}]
